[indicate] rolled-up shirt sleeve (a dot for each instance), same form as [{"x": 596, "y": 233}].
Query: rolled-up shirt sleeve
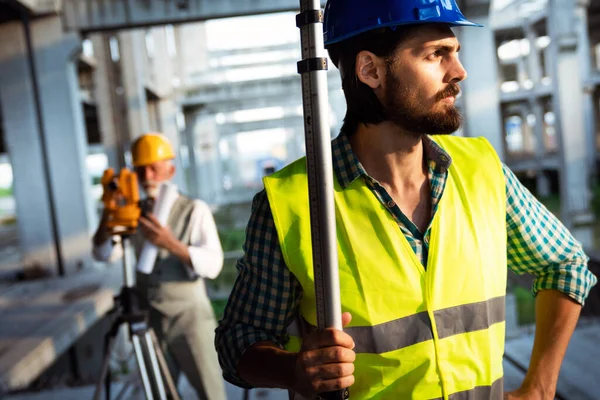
[
  {"x": 539, "y": 244},
  {"x": 205, "y": 248},
  {"x": 264, "y": 298}
]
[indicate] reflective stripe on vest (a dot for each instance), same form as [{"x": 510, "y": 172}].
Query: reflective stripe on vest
[
  {"x": 494, "y": 391},
  {"x": 420, "y": 333},
  {"x": 416, "y": 328}
]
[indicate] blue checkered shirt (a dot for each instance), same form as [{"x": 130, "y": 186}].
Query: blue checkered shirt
[{"x": 266, "y": 294}]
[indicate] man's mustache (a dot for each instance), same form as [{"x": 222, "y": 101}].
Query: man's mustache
[{"x": 451, "y": 90}]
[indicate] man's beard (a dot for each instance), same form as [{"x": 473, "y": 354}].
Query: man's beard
[
  {"x": 151, "y": 190},
  {"x": 407, "y": 113}
]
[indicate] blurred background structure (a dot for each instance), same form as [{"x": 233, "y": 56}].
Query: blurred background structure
[{"x": 80, "y": 79}]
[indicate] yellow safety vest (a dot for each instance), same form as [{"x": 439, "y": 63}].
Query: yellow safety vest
[{"x": 420, "y": 333}]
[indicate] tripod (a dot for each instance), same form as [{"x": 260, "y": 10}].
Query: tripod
[{"x": 154, "y": 372}]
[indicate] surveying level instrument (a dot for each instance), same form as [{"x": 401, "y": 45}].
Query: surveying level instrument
[
  {"x": 121, "y": 201},
  {"x": 313, "y": 69}
]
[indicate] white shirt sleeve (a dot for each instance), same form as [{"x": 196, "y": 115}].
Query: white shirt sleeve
[
  {"x": 107, "y": 251},
  {"x": 205, "y": 248}
]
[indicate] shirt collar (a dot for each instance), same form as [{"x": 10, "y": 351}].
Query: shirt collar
[{"x": 347, "y": 168}]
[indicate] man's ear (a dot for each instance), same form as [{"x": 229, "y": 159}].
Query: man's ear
[
  {"x": 171, "y": 170},
  {"x": 370, "y": 69}
]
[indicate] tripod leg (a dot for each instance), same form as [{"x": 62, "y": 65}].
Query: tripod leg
[
  {"x": 139, "y": 355},
  {"x": 158, "y": 379},
  {"x": 107, "y": 382},
  {"x": 108, "y": 346},
  {"x": 172, "y": 389}
]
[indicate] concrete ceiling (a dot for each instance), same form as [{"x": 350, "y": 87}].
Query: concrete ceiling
[{"x": 100, "y": 15}]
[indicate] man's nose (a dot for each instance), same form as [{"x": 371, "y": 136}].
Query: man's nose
[{"x": 458, "y": 72}]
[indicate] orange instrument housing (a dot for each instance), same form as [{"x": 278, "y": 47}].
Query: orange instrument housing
[{"x": 121, "y": 200}]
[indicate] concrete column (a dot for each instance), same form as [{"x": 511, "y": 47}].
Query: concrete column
[
  {"x": 568, "y": 105},
  {"x": 585, "y": 57},
  {"x": 21, "y": 136},
  {"x": 192, "y": 170},
  {"x": 109, "y": 95},
  {"x": 522, "y": 71},
  {"x": 164, "y": 71},
  {"x": 132, "y": 53},
  {"x": 65, "y": 145},
  {"x": 192, "y": 54},
  {"x": 168, "y": 114},
  {"x": 533, "y": 59},
  {"x": 529, "y": 139},
  {"x": 205, "y": 134},
  {"x": 480, "y": 90},
  {"x": 542, "y": 181},
  {"x": 542, "y": 184},
  {"x": 536, "y": 109}
]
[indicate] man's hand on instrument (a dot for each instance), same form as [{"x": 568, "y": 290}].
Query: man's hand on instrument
[
  {"x": 325, "y": 361},
  {"x": 155, "y": 233},
  {"x": 102, "y": 232}
]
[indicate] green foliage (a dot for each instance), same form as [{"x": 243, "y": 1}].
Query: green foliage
[
  {"x": 6, "y": 192},
  {"x": 596, "y": 200},
  {"x": 552, "y": 203},
  {"x": 525, "y": 305},
  {"x": 219, "y": 307},
  {"x": 232, "y": 239},
  {"x": 12, "y": 220}
]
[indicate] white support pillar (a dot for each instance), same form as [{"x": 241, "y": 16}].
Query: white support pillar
[
  {"x": 480, "y": 90},
  {"x": 164, "y": 70},
  {"x": 542, "y": 180},
  {"x": 586, "y": 74},
  {"x": 112, "y": 114},
  {"x": 168, "y": 114},
  {"x": 132, "y": 54},
  {"x": 206, "y": 135},
  {"x": 193, "y": 179},
  {"x": 65, "y": 147},
  {"x": 568, "y": 103}
]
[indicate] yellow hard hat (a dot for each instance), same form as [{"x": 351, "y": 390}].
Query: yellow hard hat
[{"x": 150, "y": 148}]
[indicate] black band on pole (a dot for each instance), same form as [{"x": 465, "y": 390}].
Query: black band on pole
[
  {"x": 312, "y": 64},
  {"x": 309, "y": 17}
]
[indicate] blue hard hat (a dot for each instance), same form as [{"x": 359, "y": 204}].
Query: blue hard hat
[{"x": 347, "y": 18}]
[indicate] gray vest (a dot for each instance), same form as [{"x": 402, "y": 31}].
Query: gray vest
[
  {"x": 167, "y": 267},
  {"x": 171, "y": 280}
]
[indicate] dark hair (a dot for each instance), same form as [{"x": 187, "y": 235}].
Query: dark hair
[{"x": 363, "y": 106}]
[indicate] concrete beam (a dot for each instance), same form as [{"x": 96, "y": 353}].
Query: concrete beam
[
  {"x": 529, "y": 163},
  {"x": 100, "y": 15},
  {"x": 248, "y": 90},
  {"x": 293, "y": 122},
  {"x": 114, "y": 131},
  {"x": 40, "y": 7},
  {"x": 539, "y": 91}
]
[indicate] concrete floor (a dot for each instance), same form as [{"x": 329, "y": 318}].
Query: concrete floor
[{"x": 87, "y": 392}]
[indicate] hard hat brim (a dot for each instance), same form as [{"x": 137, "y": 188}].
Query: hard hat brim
[{"x": 392, "y": 25}]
